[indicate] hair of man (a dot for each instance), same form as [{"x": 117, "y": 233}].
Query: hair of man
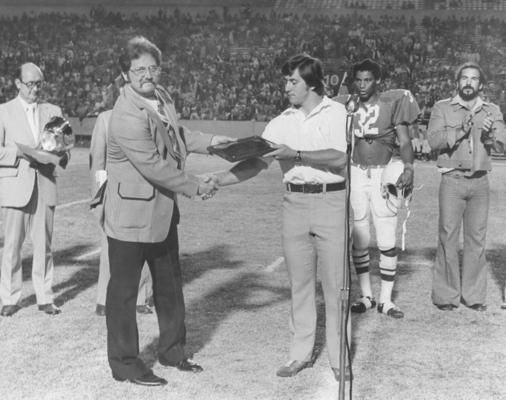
[
  {"x": 136, "y": 47},
  {"x": 471, "y": 64},
  {"x": 310, "y": 69},
  {"x": 367, "y": 65}
]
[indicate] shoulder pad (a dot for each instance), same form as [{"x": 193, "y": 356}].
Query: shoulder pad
[{"x": 396, "y": 94}]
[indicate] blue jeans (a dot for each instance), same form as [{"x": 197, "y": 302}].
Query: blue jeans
[{"x": 461, "y": 201}]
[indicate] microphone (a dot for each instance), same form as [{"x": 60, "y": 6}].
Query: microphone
[{"x": 352, "y": 103}]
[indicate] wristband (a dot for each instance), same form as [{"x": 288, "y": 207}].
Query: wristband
[{"x": 298, "y": 158}]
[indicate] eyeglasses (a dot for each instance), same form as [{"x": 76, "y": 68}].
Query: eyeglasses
[
  {"x": 31, "y": 84},
  {"x": 142, "y": 71}
]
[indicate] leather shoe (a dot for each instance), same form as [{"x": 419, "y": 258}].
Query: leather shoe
[
  {"x": 347, "y": 374},
  {"x": 49, "y": 309},
  {"x": 148, "y": 379},
  {"x": 391, "y": 310},
  {"x": 292, "y": 368},
  {"x": 446, "y": 307},
  {"x": 8, "y": 311},
  {"x": 100, "y": 310},
  {"x": 144, "y": 309},
  {"x": 478, "y": 307},
  {"x": 186, "y": 365}
]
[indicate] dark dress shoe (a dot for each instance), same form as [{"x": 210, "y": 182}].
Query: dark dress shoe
[
  {"x": 144, "y": 309},
  {"x": 293, "y": 368},
  {"x": 347, "y": 374},
  {"x": 100, "y": 310},
  {"x": 8, "y": 311},
  {"x": 148, "y": 379},
  {"x": 478, "y": 307},
  {"x": 446, "y": 307},
  {"x": 49, "y": 309},
  {"x": 186, "y": 365}
]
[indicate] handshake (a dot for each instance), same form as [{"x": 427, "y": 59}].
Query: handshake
[{"x": 208, "y": 186}]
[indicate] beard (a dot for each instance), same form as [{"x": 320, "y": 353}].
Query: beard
[{"x": 467, "y": 93}]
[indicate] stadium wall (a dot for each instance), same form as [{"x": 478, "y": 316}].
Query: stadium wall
[
  {"x": 83, "y": 128},
  {"x": 32, "y": 7}
]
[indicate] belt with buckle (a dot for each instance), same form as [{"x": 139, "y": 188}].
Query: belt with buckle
[
  {"x": 366, "y": 167},
  {"x": 316, "y": 187}
]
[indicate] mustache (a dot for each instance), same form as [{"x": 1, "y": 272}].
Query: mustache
[{"x": 468, "y": 87}]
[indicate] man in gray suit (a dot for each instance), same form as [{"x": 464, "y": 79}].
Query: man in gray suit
[
  {"x": 27, "y": 193},
  {"x": 146, "y": 151}
]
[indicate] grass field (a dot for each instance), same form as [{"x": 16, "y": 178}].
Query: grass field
[{"x": 237, "y": 299}]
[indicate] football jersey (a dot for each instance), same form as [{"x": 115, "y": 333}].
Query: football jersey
[{"x": 375, "y": 121}]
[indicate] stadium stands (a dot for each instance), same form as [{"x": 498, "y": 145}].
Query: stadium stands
[{"x": 225, "y": 65}]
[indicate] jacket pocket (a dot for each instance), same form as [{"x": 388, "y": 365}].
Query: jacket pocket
[
  {"x": 136, "y": 191},
  {"x": 8, "y": 171},
  {"x": 135, "y": 206}
]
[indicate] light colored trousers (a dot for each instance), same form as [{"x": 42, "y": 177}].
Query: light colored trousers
[
  {"x": 368, "y": 202},
  {"x": 36, "y": 218},
  {"x": 461, "y": 201},
  {"x": 104, "y": 274},
  {"x": 313, "y": 235}
]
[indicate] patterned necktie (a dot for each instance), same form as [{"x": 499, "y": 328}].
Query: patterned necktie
[{"x": 174, "y": 139}]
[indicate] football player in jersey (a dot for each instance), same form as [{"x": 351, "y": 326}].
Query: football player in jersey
[{"x": 380, "y": 129}]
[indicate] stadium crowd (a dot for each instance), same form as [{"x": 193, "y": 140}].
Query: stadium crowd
[{"x": 224, "y": 66}]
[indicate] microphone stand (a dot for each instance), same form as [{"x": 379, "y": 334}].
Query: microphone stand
[{"x": 344, "y": 345}]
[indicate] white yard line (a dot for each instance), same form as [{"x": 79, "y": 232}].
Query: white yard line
[
  {"x": 89, "y": 254},
  {"x": 72, "y": 203},
  {"x": 274, "y": 265}
]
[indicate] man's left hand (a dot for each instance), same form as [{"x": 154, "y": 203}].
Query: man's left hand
[
  {"x": 282, "y": 152},
  {"x": 219, "y": 139}
]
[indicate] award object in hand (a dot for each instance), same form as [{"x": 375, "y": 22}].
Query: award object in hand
[
  {"x": 57, "y": 136},
  {"x": 242, "y": 149},
  {"x": 55, "y": 140}
]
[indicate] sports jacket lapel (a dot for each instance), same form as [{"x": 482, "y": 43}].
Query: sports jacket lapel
[
  {"x": 25, "y": 132},
  {"x": 154, "y": 119}
]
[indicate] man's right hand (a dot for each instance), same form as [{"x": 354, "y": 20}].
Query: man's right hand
[{"x": 207, "y": 187}]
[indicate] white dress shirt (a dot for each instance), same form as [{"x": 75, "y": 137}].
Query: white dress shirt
[
  {"x": 323, "y": 128},
  {"x": 32, "y": 115}
]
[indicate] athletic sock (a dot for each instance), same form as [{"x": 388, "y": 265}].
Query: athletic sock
[
  {"x": 361, "y": 262},
  {"x": 388, "y": 268}
]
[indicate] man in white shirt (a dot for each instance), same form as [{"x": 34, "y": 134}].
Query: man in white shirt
[
  {"x": 310, "y": 137},
  {"x": 27, "y": 193}
]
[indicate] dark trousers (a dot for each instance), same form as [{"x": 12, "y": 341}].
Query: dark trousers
[{"x": 126, "y": 261}]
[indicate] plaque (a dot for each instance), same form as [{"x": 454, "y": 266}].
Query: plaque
[{"x": 242, "y": 149}]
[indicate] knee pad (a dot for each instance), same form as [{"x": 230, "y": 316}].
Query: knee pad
[
  {"x": 390, "y": 252},
  {"x": 361, "y": 234}
]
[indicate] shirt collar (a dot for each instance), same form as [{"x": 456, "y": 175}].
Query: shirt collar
[
  {"x": 457, "y": 100},
  {"x": 326, "y": 102},
  {"x": 27, "y": 106}
]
